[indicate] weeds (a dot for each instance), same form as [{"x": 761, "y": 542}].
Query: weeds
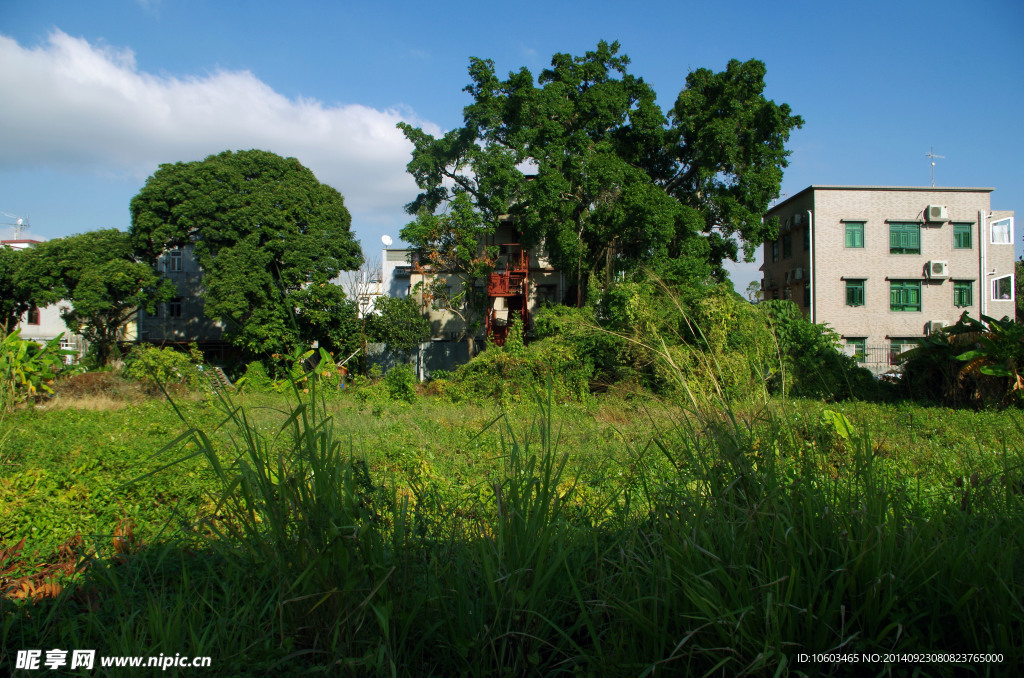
[{"x": 734, "y": 539}]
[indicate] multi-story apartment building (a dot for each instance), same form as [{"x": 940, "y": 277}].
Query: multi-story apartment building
[
  {"x": 181, "y": 319},
  {"x": 886, "y": 265}
]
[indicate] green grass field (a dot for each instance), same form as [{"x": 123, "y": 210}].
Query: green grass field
[{"x": 620, "y": 536}]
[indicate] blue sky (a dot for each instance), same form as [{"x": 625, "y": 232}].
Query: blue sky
[{"x": 96, "y": 95}]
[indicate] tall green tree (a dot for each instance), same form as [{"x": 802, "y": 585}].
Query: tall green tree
[
  {"x": 264, "y": 229},
  {"x": 15, "y": 298},
  {"x": 586, "y": 162},
  {"x": 727, "y": 150},
  {"x": 99, "y": 274}
]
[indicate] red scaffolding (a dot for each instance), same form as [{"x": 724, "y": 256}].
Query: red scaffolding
[{"x": 509, "y": 283}]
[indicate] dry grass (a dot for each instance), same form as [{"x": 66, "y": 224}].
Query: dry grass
[{"x": 101, "y": 391}]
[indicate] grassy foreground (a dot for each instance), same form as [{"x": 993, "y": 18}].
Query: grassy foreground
[{"x": 613, "y": 538}]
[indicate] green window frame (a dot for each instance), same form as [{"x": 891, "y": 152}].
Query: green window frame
[
  {"x": 962, "y": 236},
  {"x": 905, "y": 295},
  {"x": 854, "y": 292},
  {"x": 963, "y": 293},
  {"x": 775, "y": 250},
  {"x": 904, "y": 238},
  {"x": 855, "y": 234},
  {"x": 859, "y": 348}
]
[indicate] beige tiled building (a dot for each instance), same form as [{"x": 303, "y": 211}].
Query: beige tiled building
[{"x": 884, "y": 265}]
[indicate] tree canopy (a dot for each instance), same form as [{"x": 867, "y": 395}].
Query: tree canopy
[
  {"x": 585, "y": 161},
  {"x": 264, "y": 229},
  {"x": 398, "y": 323},
  {"x": 15, "y": 298},
  {"x": 98, "y": 273}
]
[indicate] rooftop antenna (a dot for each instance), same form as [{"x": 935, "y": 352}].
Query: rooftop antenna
[
  {"x": 931, "y": 154},
  {"x": 20, "y": 224}
]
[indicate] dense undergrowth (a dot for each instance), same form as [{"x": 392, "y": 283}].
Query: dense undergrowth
[{"x": 443, "y": 540}]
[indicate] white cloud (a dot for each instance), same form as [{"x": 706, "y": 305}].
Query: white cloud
[{"x": 80, "y": 107}]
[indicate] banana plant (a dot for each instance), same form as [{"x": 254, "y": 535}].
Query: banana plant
[{"x": 26, "y": 368}]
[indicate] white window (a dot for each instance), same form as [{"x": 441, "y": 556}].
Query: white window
[
  {"x": 1002, "y": 288},
  {"x": 174, "y": 261},
  {"x": 1002, "y": 231}
]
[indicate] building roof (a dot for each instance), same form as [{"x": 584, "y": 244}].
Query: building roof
[
  {"x": 932, "y": 189},
  {"x": 20, "y": 244}
]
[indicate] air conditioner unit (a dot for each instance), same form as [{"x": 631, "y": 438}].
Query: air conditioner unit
[
  {"x": 798, "y": 273},
  {"x": 938, "y": 269},
  {"x": 798, "y": 219},
  {"x": 936, "y": 213},
  {"x": 935, "y": 325}
]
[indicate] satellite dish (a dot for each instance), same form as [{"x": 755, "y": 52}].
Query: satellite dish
[{"x": 386, "y": 239}]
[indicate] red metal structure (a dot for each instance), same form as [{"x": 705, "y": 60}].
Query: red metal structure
[{"x": 509, "y": 283}]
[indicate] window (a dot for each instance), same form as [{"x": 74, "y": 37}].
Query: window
[
  {"x": 854, "y": 292},
  {"x": 855, "y": 234},
  {"x": 33, "y": 316},
  {"x": 857, "y": 348},
  {"x": 787, "y": 246},
  {"x": 174, "y": 308},
  {"x": 904, "y": 238},
  {"x": 898, "y": 346},
  {"x": 963, "y": 293},
  {"x": 905, "y": 295},
  {"x": 807, "y": 295},
  {"x": 807, "y": 239},
  {"x": 962, "y": 236},
  {"x": 1002, "y": 232},
  {"x": 775, "y": 251},
  {"x": 1002, "y": 288},
  {"x": 174, "y": 261}
]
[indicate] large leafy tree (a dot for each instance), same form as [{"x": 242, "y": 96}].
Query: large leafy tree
[
  {"x": 15, "y": 298},
  {"x": 585, "y": 161},
  {"x": 99, "y": 274},
  {"x": 264, "y": 229},
  {"x": 727, "y": 151}
]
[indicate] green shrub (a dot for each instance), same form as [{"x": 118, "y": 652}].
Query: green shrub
[
  {"x": 811, "y": 358},
  {"x": 515, "y": 375},
  {"x": 164, "y": 366},
  {"x": 703, "y": 339},
  {"x": 400, "y": 383},
  {"x": 255, "y": 379}
]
